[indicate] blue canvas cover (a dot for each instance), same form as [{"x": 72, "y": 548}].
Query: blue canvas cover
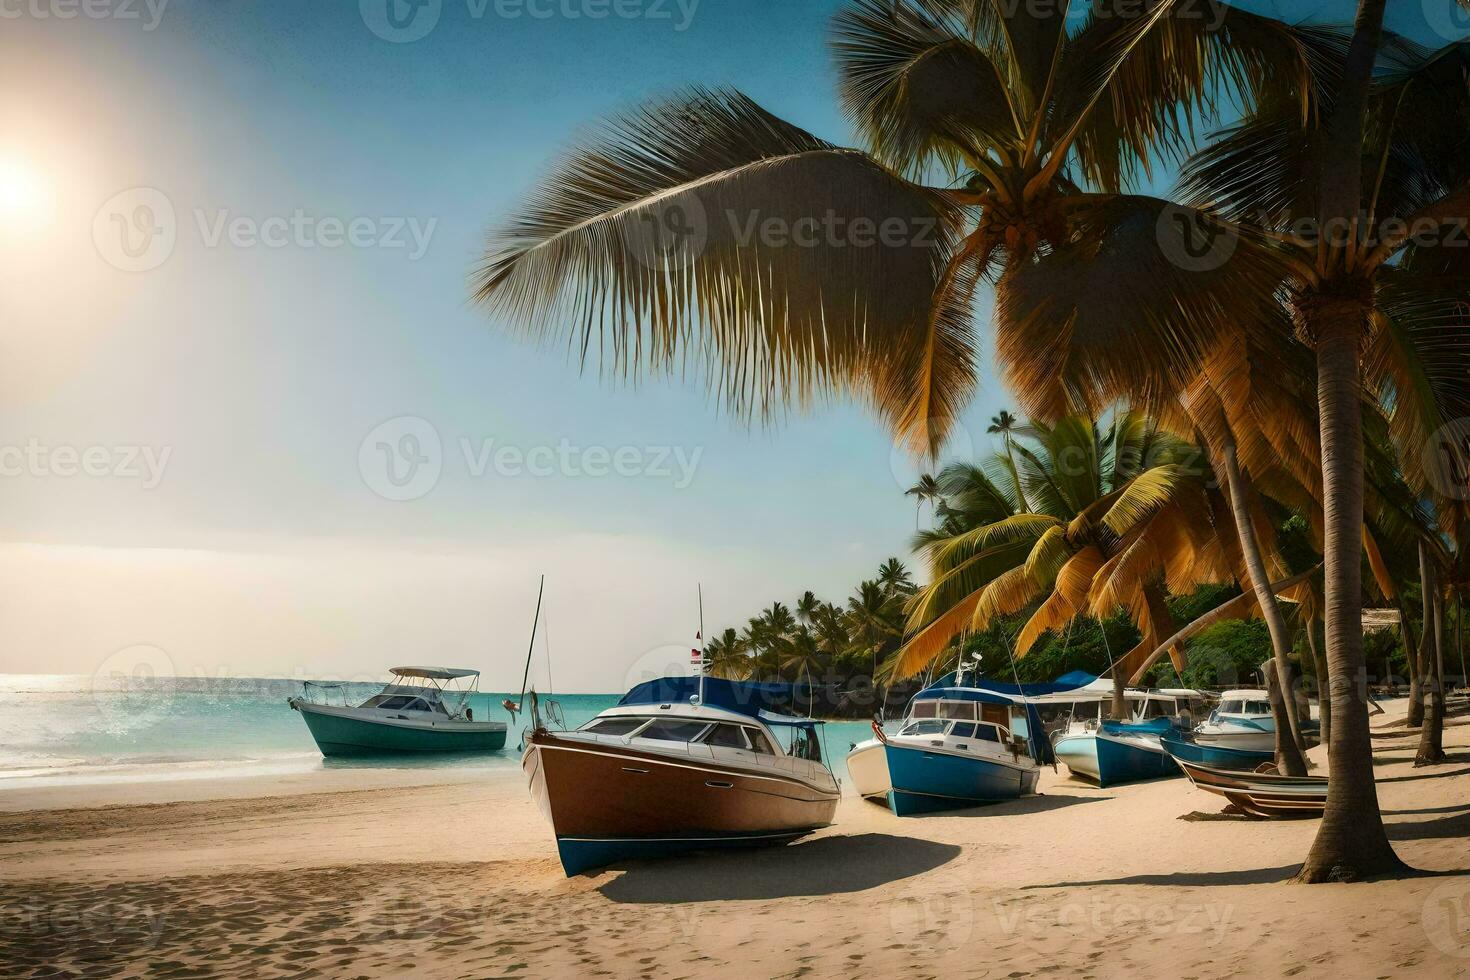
[{"x": 749, "y": 698}]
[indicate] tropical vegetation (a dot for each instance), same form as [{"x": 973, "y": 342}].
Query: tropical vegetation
[{"x": 1294, "y": 319}]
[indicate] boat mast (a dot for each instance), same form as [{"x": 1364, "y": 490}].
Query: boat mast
[{"x": 532, "y": 648}]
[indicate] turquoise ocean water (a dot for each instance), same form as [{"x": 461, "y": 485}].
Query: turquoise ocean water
[{"x": 60, "y": 729}]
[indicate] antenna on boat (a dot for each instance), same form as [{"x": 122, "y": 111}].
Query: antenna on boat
[
  {"x": 700, "y": 587},
  {"x": 526, "y": 675}
]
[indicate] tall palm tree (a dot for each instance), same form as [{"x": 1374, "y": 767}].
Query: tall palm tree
[
  {"x": 875, "y": 622},
  {"x": 895, "y": 579},
  {"x": 1004, "y": 424},
  {"x": 1371, "y": 167},
  {"x": 925, "y": 490},
  {"x": 649, "y": 247},
  {"x": 728, "y": 656},
  {"x": 806, "y": 607}
]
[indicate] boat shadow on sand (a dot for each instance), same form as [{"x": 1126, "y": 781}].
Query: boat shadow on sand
[
  {"x": 824, "y": 866},
  {"x": 1039, "y": 803}
]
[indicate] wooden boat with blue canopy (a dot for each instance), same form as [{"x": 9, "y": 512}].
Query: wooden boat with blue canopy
[
  {"x": 680, "y": 764},
  {"x": 960, "y": 745}
]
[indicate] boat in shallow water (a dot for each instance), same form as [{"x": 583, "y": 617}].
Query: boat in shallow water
[
  {"x": 678, "y": 766},
  {"x": 420, "y": 710},
  {"x": 960, "y": 745}
]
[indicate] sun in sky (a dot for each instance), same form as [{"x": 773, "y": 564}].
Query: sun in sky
[{"x": 24, "y": 195}]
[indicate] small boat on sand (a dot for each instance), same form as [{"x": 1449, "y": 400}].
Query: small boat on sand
[
  {"x": 1262, "y": 794},
  {"x": 1110, "y": 752},
  {"x": 960, "y": 745},
  {"x": 1185, "y": 748},
  {"x": 420, "y": 710},
  {"x": 1242, "y": 720},
  {"x": 680, "y": 764}
]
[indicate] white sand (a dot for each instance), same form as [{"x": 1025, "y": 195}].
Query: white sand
[{"x": 455, "y": 878}]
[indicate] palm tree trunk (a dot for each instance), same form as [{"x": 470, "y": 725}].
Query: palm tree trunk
[
  {"x": 1351, "y": 842},
  {"x": 1324, "y": 694},
  {"x": 1289, "y": 747},
  {"x": 1406, "y": 636},
  {"x": 1120, "y": 703},
  {"x": 1431, "y": 733},
  {"x": 1460, "y": 637},
  {"x": 1016, "y": 475},
  {"x": 1419, "y": 677}
]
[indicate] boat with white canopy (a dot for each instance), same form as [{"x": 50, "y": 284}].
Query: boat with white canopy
[{"x": 422, "y": 709}]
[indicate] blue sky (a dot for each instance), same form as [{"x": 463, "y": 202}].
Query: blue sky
[{"x": 260, "y": 371}]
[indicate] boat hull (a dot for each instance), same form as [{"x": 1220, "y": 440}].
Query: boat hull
[
  {"x": 1218, "y": 756},
  {"x": 339, "y": 735},
  {"x": 867, "y": 767},
  {"x": 1111, "y": 760},
  {"x": 609, "y": 803},
  {"x": 927, "y": 781},
  {"x": 1260, "y": 794}
]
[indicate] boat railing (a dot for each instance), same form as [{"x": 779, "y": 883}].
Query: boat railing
[{"x": 325, "y": 693}]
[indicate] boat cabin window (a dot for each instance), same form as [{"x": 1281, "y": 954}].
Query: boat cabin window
[
  {"x": 674, "y": 730},
  {"x": 1258, "y": 707},
  {"x": 924, "y": 709},
  {"x": 727, "y": 736},
  {"x": 614, "y": 726},
  {"x": 989, "y": 733},
  {"x": 394, "y": 703},
  {"x": 759, "y": 742},
  {"x": 957, "y": 709},
  {"x": 804, "y": 744},
  {"x": 963, "y": 729},
  {"x": 417, "y": 704},
  {"x": 1157, "y": 708},
  {"x": 926, "y": 726}
]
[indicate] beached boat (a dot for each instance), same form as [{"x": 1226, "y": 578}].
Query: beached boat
[
  {"x": 1262, "y": 794},
  {"x": 1111, "y": 752},
  {"x": 960, "y": 745},
  {"x": 423, "y": 709},
  {"x": 1242, "y": 720},
  {"x": 679, "y": 765},
  {"x": 1185, "y": 748}
]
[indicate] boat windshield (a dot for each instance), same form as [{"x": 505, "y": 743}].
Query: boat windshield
[
  {"x": 925, "y": 726},
  {"x": 674, "y": 730},
  {"x": 1245, "y": 708}
]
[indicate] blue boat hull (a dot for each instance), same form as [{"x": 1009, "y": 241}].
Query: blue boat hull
[
  {"x": 926, "y": 782},
  {"x": 1220, "y": 757},
  {"x": 579, "y": 854},
  {"x": 1112, "y": 763}
]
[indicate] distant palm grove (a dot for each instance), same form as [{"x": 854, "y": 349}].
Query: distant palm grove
[{"x": 1246, "y": 399}]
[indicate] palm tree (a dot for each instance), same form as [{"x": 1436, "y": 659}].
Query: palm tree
[
  {"x": 924, "y": 490},
  {"x": 1371, "y": 167},
  {"x": 875, "y": 621},
  {"x": 648, "y": 247},
  {"x": 1004, "y": 424},
  {"x": 728, "y": 656},
  {"x": 895, "y": 578},
  {"x": 1105, "y": 533},
  {"x": 806, "y": 607}
]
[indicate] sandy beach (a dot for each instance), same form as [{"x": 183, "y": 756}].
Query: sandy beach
[{"x": 359, "y": 875}]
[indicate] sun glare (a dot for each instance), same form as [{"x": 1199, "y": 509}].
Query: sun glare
[{"x": 22, "y": 191}]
